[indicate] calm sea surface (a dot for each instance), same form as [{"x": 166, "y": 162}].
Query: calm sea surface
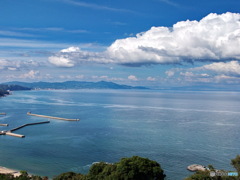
[{"x": 174, "y": 128}]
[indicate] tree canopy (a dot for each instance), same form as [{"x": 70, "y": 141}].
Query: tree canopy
[{"x": 134, "y": 168}]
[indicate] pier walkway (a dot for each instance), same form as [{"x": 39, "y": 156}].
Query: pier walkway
[
  {"x": 9, "y": 132},
  {"x": 29, "y": 124}
]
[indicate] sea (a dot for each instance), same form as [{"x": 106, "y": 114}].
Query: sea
[{"x": 174, "y": 128}]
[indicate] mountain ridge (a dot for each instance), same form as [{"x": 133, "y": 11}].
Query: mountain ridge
[{"x": 74, "y": 85}]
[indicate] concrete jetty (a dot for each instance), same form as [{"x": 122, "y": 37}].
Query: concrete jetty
[
  {"x": 2, "y": 113},
  {"x": 9, "y": 132},
  {"x": 15, "y": 135},
  {"x": 52, "y": 117},
  {"x": 3, "y": 124}
]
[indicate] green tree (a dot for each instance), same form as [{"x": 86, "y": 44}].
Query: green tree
[
  {"x": 134, "y": 168},
  {"x": 205, "y": 175},
  {"x": 6, "y": 177},
  {"x": 236, "y": 163},
  {"x": 69, "y": 176}
]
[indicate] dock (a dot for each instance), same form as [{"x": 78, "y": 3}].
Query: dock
[
  {"x": 15, "y": 135},
  {"x": 29, "y": 124},
  {"x": 52, "y": 117},
  {"x": 3, "y": 124},
  {"x": 9, "y": 132},
  {"x": 2, "y": 113}
]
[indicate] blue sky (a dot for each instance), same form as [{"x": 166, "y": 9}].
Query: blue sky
[{"x": 155, "y": 43}]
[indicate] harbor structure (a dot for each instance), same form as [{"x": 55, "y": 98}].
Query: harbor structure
[{"x": 52, "y": 117}]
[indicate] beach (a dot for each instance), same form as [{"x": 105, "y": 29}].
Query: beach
[{"x": 4, "y": 170}]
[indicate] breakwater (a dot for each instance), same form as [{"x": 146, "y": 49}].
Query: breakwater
[
  {"x": 10, "y": 132},
  {"x": 52, "y": 117}
]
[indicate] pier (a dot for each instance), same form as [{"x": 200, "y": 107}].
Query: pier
[
  {"x": 29, "y": 124},
  {"x": 9, "y": 132},
  {"x": 3, "y": 124},
  {"x": 52, "y": 117},
  {"x": 2, "y": 113},
  {"x": 15, "y": 135}
]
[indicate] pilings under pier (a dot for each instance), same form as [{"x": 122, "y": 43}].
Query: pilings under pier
[
  {"x": 29, "y": 124},
  {"x": 52, "y": 117}
]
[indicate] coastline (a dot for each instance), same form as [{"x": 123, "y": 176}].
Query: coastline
[{"x": 4, "y": 170}]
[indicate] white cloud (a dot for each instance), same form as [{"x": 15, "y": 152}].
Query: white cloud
[
  {"x": 61, "y": 61},
  {"x": 215, "y": 37},
  {"x": 230, "y": 68},
  {"x": 226, "y": 79},
  {"x": 30, "y": 75},
  {"x": 132, "y": 78},
  {"x": 187, "y": 74},
  {"x": 80, "y": 76},
  {"x": 151, "y": 78},
  {"x": 6, "y": 64},
  {"x": 71, "y": 49},
  {"x": 170, "y": 73}
]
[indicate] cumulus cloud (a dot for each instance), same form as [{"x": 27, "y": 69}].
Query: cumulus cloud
[
  {"x": 218, "y": 72},
  {"x": 30, "y": 75},
  {"x": 213, "y": 38},
  {"x": 170, "y": 73},
  {"x": 6, "y": 64},
  {"x": 151, "y": 78},
  {"x": 61, "y": 61},
  {"x": 132, "y": 78},
  {"x": 230, "y": 68},
  {"x": 70, "y": 49},
  {"x": 74, "y": 55}
]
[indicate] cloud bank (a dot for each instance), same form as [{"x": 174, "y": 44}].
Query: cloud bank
[
  {"x": 6, "y": 64},
  {"x": 213, "y": 38},
  {"x": 229, "y": 68}
]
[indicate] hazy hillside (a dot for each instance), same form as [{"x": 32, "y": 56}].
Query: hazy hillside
[
  {"x": 4, "y": 88},
  {"x": 75, "y": 85}
]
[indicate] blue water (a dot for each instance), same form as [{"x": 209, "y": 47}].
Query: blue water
[{"x": 174, "y": 128}]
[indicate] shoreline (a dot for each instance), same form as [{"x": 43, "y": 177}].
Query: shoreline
[{"x": 4, "y": 170}]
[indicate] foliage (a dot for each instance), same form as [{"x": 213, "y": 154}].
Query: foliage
[
  {"x": 134, "y": 168},
  {"x": 236, "y": 163},
  {"x": 69, "y": 176},
  {"x": 205, "y": 175},
  {"x": 4, "y": 89},
  {"x": 6, "y": 177},
  {"x": 24, "y": 176}
]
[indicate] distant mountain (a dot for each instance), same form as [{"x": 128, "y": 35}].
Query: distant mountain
[
  {"x": 75, "y": 85},
  {"x": 5, "y": 88}
]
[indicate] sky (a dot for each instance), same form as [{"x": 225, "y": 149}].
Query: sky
[{"x": 153, "y": 43}]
